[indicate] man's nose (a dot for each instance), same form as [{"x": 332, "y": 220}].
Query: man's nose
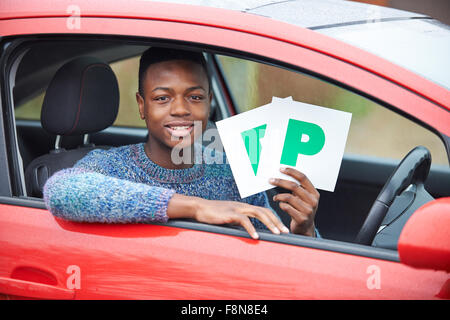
[{"x": 180, "y": 107}]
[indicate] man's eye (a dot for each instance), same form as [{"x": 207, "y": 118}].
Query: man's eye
[
  {"x": 197, "y": 97},
  {"x": 161, "y": 99}
]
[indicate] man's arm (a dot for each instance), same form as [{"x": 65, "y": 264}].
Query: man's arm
[
  {"x": 78, "y": 194},
  {"x": 87, "y": 193}
]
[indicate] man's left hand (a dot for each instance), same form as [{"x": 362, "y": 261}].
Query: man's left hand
[{"x": 301, "y": 204}]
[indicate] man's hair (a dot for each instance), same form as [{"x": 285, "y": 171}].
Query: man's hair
[{"x": 156, "y": 54}]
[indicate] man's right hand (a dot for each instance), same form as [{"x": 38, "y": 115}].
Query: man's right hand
[{"x": 224, "y": 212}]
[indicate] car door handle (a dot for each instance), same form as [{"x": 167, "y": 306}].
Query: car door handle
[{"x": 34, "y": 290}]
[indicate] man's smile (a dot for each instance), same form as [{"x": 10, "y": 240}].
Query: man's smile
[{"x": 179, "y": 128}]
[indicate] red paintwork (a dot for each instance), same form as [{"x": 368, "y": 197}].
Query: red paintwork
[
  {"x": 233, "y": 20},
  {"x": 160, "y": 262},
  {"x": 425, "y": 239}
]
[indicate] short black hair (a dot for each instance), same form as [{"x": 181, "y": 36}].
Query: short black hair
[{"x": 157, "y": 54}]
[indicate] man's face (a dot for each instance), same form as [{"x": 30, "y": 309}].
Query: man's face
[{"x": 176, "y": 94}]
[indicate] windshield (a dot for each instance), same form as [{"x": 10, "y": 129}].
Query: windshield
[{"x": 420, "y": 45}]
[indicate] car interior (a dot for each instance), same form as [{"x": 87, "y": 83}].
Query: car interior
[{"x": 50, "y": 143}]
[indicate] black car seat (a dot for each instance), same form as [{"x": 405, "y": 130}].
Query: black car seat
[{"x": 82, "y": 98}]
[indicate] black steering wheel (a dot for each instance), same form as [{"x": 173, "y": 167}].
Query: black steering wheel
[{"x": 413, "y": 169}]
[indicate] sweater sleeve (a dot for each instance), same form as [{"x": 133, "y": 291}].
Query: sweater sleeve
[{"x": 84, "y": 194}]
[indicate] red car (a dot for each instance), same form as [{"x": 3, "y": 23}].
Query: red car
[{"x": 389, "y": 68}]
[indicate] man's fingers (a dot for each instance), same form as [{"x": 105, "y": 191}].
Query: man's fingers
[
  {"x": 295, "y": 202},
  {"x": 276, "y": 221},
  {"x": 262, "y": 216},
  {"x": 245, "y": 222},
  {"x": 296, "y": 189},
  {"x": 267, "y": 217},
  {"x": 294, "y": 213},
  {"x": 300, "y": 177},
  {"x": 271, "y": 221}
]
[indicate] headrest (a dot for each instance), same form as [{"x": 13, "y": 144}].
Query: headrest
[{"x": 83, "y": 97}]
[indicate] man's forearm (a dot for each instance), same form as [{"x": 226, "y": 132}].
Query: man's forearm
[{"x": 80, "y": 195}]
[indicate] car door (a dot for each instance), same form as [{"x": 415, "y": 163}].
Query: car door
[
  {"x": 65, "y": 260},
  {"x": 45, "y": 257}
]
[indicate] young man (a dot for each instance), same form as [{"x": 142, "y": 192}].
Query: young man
[{"x": 141, "y": 183}]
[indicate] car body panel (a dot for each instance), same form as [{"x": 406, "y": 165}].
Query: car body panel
[{"x": 160, "y": 262}]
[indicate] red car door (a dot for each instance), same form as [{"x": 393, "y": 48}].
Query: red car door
[{"x": 44, "y": 257}]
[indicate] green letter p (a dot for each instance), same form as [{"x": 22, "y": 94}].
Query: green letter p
[{"x": 293, "y": 144}]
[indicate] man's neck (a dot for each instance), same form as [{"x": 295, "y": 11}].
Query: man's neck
[{"x": 162, "y": 155}]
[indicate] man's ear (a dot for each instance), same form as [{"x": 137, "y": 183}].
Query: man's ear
[
  {"x": 210, "y": 97},
  {"x": 141, "y": 104},
  {"x": 210, "y": 101}
]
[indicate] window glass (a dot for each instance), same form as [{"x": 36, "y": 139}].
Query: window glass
[
  {"x": 30, "y": 110},
  {"x": 127, "y": 75},
  {"x": 126, "y": 72},
  {"x": 374, "y": 131}
]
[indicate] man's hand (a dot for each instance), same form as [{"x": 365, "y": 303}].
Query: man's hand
[
  {"x": 224, "y": 212},
  {"x": 301, "y": 204}
]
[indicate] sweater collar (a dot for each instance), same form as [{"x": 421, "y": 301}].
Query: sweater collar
[{"x": 162, "y": 174}]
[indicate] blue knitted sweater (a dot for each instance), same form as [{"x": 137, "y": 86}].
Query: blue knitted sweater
[{"x": 122, "y": 185}]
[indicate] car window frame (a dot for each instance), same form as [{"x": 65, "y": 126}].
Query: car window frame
[{"x": 325, "y": 244}]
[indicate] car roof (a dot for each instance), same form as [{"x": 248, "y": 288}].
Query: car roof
[{"x": 311, "y": 14}]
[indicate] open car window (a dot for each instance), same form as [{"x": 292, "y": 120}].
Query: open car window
[{"x": 372, "y": 150}]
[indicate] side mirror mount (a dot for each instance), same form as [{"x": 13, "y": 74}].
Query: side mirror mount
[{"x": 425, "y": 239}]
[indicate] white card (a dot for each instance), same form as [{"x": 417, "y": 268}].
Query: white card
[
  {"x": 284, "y": 133},
  {"x": 230, "y": 131},
  {"x": 323, "y": 165}
]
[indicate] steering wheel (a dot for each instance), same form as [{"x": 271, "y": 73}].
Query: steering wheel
[{"x": 413, "y": 169}]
